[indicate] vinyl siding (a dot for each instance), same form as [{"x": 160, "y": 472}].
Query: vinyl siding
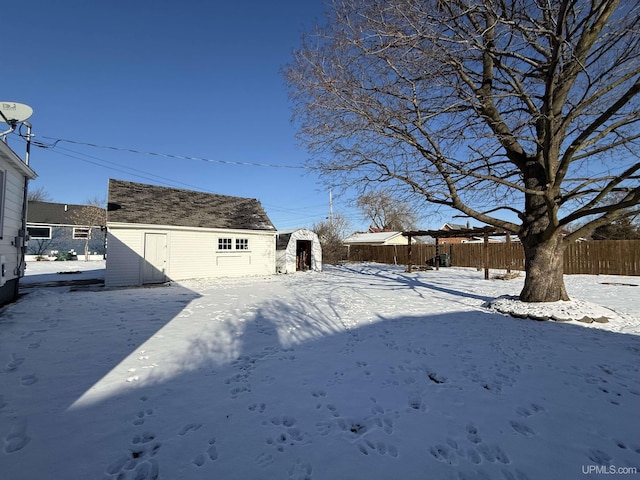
[
  {"x": 124, "y": 256},
  {"x": 191, "y": 253},
  {"x": 13, "y": 199}
]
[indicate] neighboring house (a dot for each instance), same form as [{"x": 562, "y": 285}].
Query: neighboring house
[
  {"x": 378, "y": 238},
  {"x": 58, "y": 227},
  {"x": 156, "y": 234},
  {"x": 298, "y": 250},
  {"x": 14, "y": 179},
  {"x": 481, "y": 240},
  {"x": 453, "y": 227}
]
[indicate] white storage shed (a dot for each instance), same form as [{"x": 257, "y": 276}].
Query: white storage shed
[{"x": 298, "y": 250}]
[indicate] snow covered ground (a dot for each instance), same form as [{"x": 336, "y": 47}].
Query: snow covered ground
[{"x": 358, "y": 372}]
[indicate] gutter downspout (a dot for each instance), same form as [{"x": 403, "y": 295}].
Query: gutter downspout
[{"x": 21, "y": 240}]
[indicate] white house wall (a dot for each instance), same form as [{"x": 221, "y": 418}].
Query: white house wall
[
  {"x": 191, "y": 253},
  {"x": 14, "y": 195}
]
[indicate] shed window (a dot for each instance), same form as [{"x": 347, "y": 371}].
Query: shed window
[
  {"x": 80, "y": 232},
  {"x": 224, "y": 244},
  {"x": 242, "y": 244},
  {"x": 39, "y": 232}
]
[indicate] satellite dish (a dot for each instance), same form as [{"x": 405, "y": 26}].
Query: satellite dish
[{"x": 12, "y": 112}]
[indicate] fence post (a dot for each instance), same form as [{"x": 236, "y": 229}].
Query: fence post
[
  {"x": 409, "y": 254},
  {"x": 486, "y": 256},
  {"x": 508, "y": 241}
]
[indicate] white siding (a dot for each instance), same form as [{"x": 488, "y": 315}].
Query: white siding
[
  {"x": 191, "y": 253},
  {"x": 13, "y": 200},
  {"x": 124, "y": 256}
]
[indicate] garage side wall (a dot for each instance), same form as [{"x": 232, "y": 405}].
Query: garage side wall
[
  {"x": 196, "y": 255},
  {"x": 124, "y": 257},
  {"x": 190, "y": 253}
]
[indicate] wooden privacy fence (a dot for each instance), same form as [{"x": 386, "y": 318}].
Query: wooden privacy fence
[{"x": 601, "y": 257}]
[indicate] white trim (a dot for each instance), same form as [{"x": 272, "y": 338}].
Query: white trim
[
  {"x": 14, "y": 159},
  {"x": 74, "y": 235},
  {"x": 33, "y": 237},
  {"x": 224, "y": 231}
]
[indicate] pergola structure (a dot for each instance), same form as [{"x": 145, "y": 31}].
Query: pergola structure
[{"x": 483, "y": 232}]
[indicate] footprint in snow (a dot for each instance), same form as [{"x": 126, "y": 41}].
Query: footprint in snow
[
  {"x": 493, "y": 453},
  {"x": 143, "y": 438},
  {"x": 28, "y": 380},
  {"x": 300, "y": 471},
  {"x": 17, "y": 438},
  {"x": 444, "y": 454},
  {"x": 522, "y": 428},
  {"x": 14, "y": 363},
  {"x": 472, "y": 434},
  {"x": 599, "y": 457},
  {"x": 264, "y": 460},
  {"x": 369, "y": 446},
  {"x": 517, "y": 475},
  {"x": 141, "y": 416},
  {"x": 416, "y": 403},
  {"x": 211, "y": 453},
  {"x": 257, "y": 407},
  {"x": 191, "y": 427}
]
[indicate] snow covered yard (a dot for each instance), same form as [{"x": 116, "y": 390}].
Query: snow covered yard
[{"x": 359, "y": 372}]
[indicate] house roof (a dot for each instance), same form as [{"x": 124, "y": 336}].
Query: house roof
[
  {"x": 53, "y": 213},
  {"x": 284, "y": 236},
  {"x": 454, "y": 226},
  {"x": 140, "y": 203},
  {"x": 371, "y": 238}
]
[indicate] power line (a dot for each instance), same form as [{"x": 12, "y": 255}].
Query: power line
[
  {"x": 302, "y": 211},
  {"x": 166, "y": 155}
]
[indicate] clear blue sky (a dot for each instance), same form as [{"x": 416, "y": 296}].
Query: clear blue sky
[{"x": 194, "y": 78}]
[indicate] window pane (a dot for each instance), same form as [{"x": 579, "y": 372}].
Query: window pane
[
  {"x": 80, "y": 233},
  {"x": 39, "y": 232},
  {"x": 224, "y": 244},
  {"x": 242, "y": 244}
]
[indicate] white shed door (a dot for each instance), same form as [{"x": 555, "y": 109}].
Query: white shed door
[{"x": 155, "y": 258}]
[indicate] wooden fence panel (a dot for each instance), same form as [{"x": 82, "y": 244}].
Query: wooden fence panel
[{"x": 603, "y": 257}]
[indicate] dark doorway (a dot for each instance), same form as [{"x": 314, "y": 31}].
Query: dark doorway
[{"x": 303, "y": 255}]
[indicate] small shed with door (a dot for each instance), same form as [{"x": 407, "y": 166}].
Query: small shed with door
[
  {"x": 157, "y": 234},
  {"x": 298, "y": 250}
]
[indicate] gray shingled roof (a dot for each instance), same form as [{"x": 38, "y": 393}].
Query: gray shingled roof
[
  {"x": 131, "y": 202},
  {"x": 51, "y": 213}
]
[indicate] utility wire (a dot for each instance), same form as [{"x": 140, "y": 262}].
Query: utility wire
[
  {"x": 166, "y": 155},
  {"x": 160, "y": 179}
]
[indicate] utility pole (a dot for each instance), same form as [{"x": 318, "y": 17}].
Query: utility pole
[{"x": 330, "y": 209}]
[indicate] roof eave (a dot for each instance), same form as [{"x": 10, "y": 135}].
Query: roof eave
[{"x": 13, "y": 158}]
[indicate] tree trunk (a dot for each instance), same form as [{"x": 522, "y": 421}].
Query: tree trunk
[
  {"x": 544, "y": 264},
  {"x": 542, "y": 241}
]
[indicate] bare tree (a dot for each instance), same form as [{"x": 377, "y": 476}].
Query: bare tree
[
  {"x": 331, "y": 234},
  {"x": 386, "y": 212},
  {"x": 38, "y": 195},
  {"x": 521, "y": 114},
  {"x": 92, "y": 216}
]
